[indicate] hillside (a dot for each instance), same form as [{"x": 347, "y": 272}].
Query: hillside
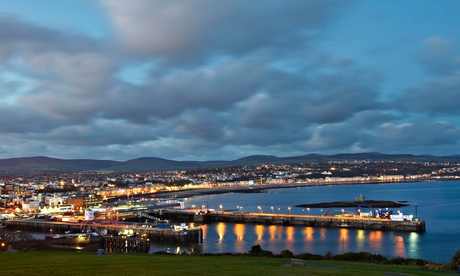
[{"x": 41, "y": 164}]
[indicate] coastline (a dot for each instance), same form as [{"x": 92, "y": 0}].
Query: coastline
[{"x": 259, "y": 188}]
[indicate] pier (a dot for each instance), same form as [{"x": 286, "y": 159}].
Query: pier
[
  {"x": 193, "y": 234},
  {"x": 367, "y": 223},
  {"x": 126, "y": 245}
]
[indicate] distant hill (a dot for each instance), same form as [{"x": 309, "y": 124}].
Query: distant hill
[{"x": 42, "y": 164}]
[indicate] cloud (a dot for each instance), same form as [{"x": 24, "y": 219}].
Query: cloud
[
  {"x": 220, "y": 80},
  {"x": 216, "y": 89},
  {"x": 437, "y": 96},
  {"x": 439, "y": 55},
  {"x": 191, "y": 30},
  {"x": 418, "y": 135},
  {"x": 24, "y": 119},
  {"x": 383, "y": 132},
  {"x": 62, "y": 75}
]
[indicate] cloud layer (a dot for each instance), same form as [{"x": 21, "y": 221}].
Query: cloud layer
[{"x": 200, "y": 80}]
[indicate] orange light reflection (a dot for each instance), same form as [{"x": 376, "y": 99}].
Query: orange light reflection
[
  {"x": 375, "y": 240},
  {"x": 400, "y": 248},
  {"x": 220, "y": 229},
  {"x": 344, "y": 240},
  {"x": 204, "y": 229},
  {"x": 323, "y": 233},
  {"x": 290, "y": 231},
  {"x": 272, "y": 230},
  {"x": 239, "y": 231},
  {"x": 259, "y": 231},
  {"x": 309, "y": 231}
]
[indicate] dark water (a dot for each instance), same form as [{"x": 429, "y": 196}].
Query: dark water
[{"x": 438, "y": 203}]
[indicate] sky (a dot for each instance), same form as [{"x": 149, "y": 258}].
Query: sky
[{"x": 221, "y": 80}]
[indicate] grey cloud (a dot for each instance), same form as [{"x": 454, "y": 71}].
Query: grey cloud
[
  {"x": 438, "y": 96},
  {"x": 64, "y": 103},
  {"x": 415, "y": 135},
  {"x": 21, "y": 38},
  {"x": 200, "y": 124},
  {"x": 313, "y": 99},
  {"x": 65, "y": 75},
  {"x": 184, "y": 30},
  {"x": 24, "y": 119},
  {"x": 419, "y": 134},
  {"x": 216, "y": 89},
  {"x": 337, "y": 137},
  {"x": 358, "y": 133},
  {"x": 439, "y": 55},
  {"x": 335, "y": 97},
  {"x": 229, "y": 78},
  {"x": 100, "y": 133}
]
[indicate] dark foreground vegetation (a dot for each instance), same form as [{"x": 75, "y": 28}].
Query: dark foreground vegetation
[
  {"x": 23, "y": 255},
  {"x": 91, "y": 263}
]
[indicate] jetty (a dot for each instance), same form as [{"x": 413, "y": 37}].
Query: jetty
[
  {"x": 397, "y": 222},
  {"x": 176, "y": 234}
]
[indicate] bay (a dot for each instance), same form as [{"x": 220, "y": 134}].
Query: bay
[{"x": 437, "y": 203}]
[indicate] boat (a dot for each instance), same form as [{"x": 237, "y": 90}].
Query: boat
[
  {"x": 126, "y": 232},
  {"x": 345, "y": 225},
  {"x": 181, "y": 227}
]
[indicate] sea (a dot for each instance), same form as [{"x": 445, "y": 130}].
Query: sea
[{"x": 436, "y": 202}]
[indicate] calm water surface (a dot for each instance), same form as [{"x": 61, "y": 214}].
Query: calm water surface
[{"x": 438, "y": 203}]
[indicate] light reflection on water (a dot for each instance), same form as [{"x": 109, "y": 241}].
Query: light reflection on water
[
  {"x": 239, "y": 238},
  {"x": 435, "y": 201},
  {"x": 300, "y": 239}
]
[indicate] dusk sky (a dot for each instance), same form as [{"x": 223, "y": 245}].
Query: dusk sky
[{"x": 224, "y": 79}]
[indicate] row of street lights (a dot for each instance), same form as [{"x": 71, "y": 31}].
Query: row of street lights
[
  {"x": 273, "y": 209},
  {"x": 260, "y": 209}
]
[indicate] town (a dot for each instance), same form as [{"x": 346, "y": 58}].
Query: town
[{"x": 26, "y": 195}]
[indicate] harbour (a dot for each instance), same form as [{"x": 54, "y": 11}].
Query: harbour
[
  {"x": 435, "y": 201},
  {"x": 398, "y": 223},
  {"x": 190, "y": 234}
]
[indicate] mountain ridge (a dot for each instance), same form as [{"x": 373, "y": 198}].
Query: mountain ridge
[{"x": 44, "y": 164}]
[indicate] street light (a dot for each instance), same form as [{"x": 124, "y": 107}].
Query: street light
[
  {"x": 272, "y": 210},
  {"x": 308, "y": 210},
  {"x": 260, "y": 209},
  {"x": 289, "y": 208}
]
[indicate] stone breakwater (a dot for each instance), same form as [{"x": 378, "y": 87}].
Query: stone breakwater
[
  {"x": 368, "y": 223},
  {"x": 346, "y": 204}
]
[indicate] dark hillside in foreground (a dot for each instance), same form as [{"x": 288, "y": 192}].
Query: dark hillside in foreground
[{"x": 41, "y": 164}]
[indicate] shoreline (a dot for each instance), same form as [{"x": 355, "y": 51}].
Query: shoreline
[{"x": 259, "y": 188}]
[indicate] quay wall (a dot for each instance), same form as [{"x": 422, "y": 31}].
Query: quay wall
[
  {"x": 154, "y": 234},
  {"x": 289, "y": 219}
]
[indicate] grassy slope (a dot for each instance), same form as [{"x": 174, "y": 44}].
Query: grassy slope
[{"x": 84, "y": 263}]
